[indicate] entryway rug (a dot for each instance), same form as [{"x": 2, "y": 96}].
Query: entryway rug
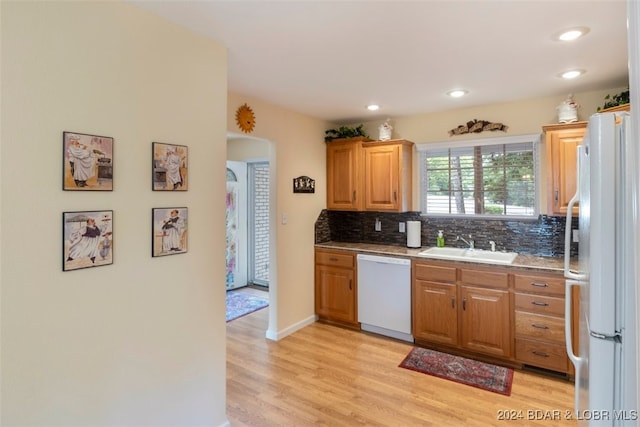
[
  {"x": 241, "y": 303},
  {"x": 486, "y": 376}
]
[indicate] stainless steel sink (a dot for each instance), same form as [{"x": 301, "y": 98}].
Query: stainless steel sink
[{"x": 473, "y": 255}]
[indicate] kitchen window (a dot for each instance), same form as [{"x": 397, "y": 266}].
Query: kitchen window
[{"x": 494, "y": 177}]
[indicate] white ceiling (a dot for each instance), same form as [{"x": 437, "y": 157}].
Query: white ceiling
[{"x": 329, "y": 59}]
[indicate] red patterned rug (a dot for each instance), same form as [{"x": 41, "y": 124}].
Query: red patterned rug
[{"x": 482, "y": 375}]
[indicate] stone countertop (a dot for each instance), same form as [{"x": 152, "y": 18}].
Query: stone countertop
[{"x": 551, "y": 264}]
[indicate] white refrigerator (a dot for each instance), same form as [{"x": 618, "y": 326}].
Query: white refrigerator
[{"x": 606, "y": 274}]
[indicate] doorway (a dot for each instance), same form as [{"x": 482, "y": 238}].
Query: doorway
[
  {"x": 247, "y": 224},
  {"x": 261, "y": 152}
]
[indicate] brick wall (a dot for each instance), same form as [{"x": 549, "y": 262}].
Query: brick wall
[{"x": 261, "y": 223}]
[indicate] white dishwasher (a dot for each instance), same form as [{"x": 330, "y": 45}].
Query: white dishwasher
[{"x": 384, "y": 296}]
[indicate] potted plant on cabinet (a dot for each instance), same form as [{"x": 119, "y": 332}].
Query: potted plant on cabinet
[
  {"x": 616, "y": 102},
  {"x": 346, "y": 132}
]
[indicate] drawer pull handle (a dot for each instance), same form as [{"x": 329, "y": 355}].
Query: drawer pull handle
[
  {"x": 464, "y": 303},
  {"x": 540, "y": 304},
  {"x": 350, "y": 284},
  {"x": 539, "y": 285},
  {"x": 453, "y": 302},
  {"x": 333, "y": 259},
  {"x": 539, "y": 353},
  {"x": 539, "y": 326}
]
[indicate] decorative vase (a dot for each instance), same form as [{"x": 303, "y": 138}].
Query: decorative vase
[
  {"x": 568, "y": 110},
  {"x": 384, "y": 131}
]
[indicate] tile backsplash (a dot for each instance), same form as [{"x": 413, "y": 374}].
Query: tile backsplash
[{"x": 543, "y": 236}]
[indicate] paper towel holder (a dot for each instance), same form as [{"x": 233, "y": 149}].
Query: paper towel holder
[{"x": 414, "y": 232}]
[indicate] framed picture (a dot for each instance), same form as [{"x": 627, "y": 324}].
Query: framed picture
[
  {"x": 87, "y": 162},
  {"x": 170, "y": 167},
  {"x": 87, "y": 239},
  {"x": 170, "y": 230}
]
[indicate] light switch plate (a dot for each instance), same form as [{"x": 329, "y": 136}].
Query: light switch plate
[
  {"x": 575, "y": 235},
  {"x": 401, "y": 228}
]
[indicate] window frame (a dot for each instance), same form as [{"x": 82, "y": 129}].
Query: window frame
[{"x": 479, "y": 142}]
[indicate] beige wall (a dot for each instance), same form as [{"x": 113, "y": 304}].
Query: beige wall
[
  {"x": 296, "y": 148},
  {"x": 142, "y": 341},
  {"x": 247, "y": 149},
  {"x": 522, "y": 117}
]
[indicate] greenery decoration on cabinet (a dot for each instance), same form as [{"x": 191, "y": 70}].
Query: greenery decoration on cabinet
[
  {"x": 621, "y": 98},
  {"x": 345, "y": 132}
]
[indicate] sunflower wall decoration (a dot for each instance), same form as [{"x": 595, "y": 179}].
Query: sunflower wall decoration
[{"x": 245, "y": 118}]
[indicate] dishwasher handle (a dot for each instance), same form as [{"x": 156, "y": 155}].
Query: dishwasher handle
[{"x": 383, "y": 259}]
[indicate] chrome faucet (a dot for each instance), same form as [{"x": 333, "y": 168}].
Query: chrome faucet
[
  {"x": 471, "y": 243},
  {"x": 493, "y": 245}
]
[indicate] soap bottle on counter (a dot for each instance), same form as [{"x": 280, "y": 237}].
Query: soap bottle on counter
[{"x": 440, "y": 239}]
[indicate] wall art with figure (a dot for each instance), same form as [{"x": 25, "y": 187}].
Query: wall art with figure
[
  {"x": 169, "y": 231},
  {"x": 170, "y": 167},
  {"x": 87, "y": 239},
  {"x": 87, "y": 162}
]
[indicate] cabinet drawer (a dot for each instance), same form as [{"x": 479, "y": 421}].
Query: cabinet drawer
[
  {"x": 540, "y": 327},
  {"x": 335, "y": 259},
  {"x": 543, "y": 355},
  {"x": 435, "y": 273},
  {"x": 540, "y": 304},
  {"x": 484, "y": 278},
  {"x": 539, "y": 284}
]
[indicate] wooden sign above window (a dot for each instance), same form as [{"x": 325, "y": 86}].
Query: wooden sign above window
[{"x": 477, "y": 126}]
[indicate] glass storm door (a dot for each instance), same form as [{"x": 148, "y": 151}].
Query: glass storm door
[{"x": 236, "y": 220}]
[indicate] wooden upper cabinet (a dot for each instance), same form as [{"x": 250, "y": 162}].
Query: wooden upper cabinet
[
  {"x": 388, "y": 175},
  {"x": 344, "y": 185},
  {"x": 561, "y": 143},
  {"x": 372, "y": 176}
]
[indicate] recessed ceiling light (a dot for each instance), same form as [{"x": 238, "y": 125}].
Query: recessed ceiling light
[
  {"x": 570, "y": 34},
  {"x": 457, "y": 93},
  {"x": 373, "y": 107},
  {"x": 572, "y": 74}
]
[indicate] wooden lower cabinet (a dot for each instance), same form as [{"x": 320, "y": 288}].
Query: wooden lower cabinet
[
  {"x": 485, "y": 321},
  {"x": 437, "y": 305},
  {"x": 503, "y": 313},
  {"x": 448, "y": 312},
  {"x": 539, "y": 321},
  {"x": 335, "y": 286}
]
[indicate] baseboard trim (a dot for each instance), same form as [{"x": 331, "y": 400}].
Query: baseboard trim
[{"x": 278, "y": 335}]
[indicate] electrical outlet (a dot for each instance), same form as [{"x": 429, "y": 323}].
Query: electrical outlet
[
  {"x": 378, "y": 225},
  {"x": 575, "y": 236},
  {"x": 401, "y": 227}
]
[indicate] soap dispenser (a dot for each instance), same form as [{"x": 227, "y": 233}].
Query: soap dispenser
[{"x": 440, "y": 239}]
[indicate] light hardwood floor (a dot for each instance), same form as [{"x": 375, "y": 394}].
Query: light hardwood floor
[{"x": 327, "y": 375}]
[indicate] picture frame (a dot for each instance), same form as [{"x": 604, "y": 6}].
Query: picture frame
[
  {"x": 169, "y": 234},
  {"x": 170, "y": 167},
  {"x": 87, "y": 162},
  {"x": 87, "y": 239}
]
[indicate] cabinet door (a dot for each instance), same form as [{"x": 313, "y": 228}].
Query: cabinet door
[
  {"x": 343, "y": 180},
  {"x": 561, "y": 146},
  {"x": 435, "y": 313},
  {"x": 382, "y": 177},
  {"x": 335, "y": 293},
  {"x": 484, "y": 319}
]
